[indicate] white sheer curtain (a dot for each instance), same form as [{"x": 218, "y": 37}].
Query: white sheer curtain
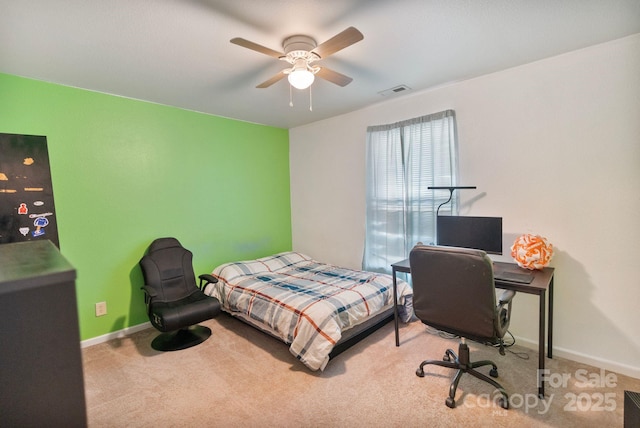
[{"x": 403, "y": 160}]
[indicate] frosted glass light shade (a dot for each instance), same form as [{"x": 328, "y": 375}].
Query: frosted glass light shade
[{"x": 301, "y": 78}]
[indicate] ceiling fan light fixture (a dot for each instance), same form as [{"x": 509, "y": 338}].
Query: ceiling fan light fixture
[
  {"x": 301, "y": 52},
  {"x": 301, "y": 78}
]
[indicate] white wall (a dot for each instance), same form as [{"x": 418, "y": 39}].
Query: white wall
[{"x": 554, "y": 148}]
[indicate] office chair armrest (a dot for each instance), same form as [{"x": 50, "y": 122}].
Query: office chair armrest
[
  {"x": 506, "y": 297},
  {"x": 210, "y": 279},
  {"x": 503, "y": 318}
]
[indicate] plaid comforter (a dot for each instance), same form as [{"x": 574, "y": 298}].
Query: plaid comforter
[{"x": 306, "y": 303}]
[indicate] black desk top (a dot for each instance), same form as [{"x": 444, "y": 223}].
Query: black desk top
[{"x": 540, "y": 283}]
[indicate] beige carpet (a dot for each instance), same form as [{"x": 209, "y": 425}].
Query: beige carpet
[{"x": 241, "y": 377}]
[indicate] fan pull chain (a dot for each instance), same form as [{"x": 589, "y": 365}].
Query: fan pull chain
[{"x": 290, "y": 96}]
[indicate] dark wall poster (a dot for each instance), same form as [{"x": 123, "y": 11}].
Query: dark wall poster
[{"x": 27, "y": 212}]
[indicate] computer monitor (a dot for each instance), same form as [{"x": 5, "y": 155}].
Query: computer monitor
[{"x": 481, "y": 233}]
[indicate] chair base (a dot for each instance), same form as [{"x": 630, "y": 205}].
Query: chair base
[
  {"x": 463, "y": 365},
  {"x": 181, "y": 339}
]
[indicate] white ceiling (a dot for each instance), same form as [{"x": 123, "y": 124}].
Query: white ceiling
[{"x": 177, "y": 52}]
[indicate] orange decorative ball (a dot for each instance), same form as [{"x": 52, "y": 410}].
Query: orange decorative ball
[{"x": 532, "y": 251}]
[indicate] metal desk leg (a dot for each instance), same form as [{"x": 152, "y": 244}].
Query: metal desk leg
[
  {"x": 550, "y": 328},
  {"x": 395, "y": 306},
  {"x": 541, "y": 343}
]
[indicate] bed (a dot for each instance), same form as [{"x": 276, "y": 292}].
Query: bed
[{"x": 314, "y": 307}]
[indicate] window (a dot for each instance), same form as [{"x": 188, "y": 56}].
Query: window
[{"x": 403, "y": 160}]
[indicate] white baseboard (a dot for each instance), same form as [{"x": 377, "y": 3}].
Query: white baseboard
[
  {"x": 115, "y": 335},
  {"x": 586, "y": 359},
  {"x": 560, "y": 352}
]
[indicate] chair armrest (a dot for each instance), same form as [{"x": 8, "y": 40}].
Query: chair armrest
[
  {"x": 503, "y": 315},
  {"x": 506, "y": 297},
  {"x": 149, "y": 293},
  {"x": 207, "y": 279}
]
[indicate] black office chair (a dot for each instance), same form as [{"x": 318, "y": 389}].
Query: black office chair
[
  {"x": 454, "y": 291},
  {"x": 174, "y": 301}
]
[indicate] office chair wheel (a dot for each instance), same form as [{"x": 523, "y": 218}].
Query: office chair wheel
[
  {"x": 450, "y": 402},
  {"x": 420, "y": 372},
  {"x": 493, "y": 373}
]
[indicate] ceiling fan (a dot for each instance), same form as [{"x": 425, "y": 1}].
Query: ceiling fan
[{"x": 301, "y": 52}]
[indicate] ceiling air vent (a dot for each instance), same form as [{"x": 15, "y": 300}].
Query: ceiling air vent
[{"x": 395, "y": 91}]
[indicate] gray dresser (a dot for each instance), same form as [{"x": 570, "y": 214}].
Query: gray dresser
[{"x": 41, "y": 380}]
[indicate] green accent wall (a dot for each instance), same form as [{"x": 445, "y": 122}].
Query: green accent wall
[{"x": 125, "y": 172}]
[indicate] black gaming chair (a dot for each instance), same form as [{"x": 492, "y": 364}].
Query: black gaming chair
[
  {"x": 454, "y": 291},
  {"x": 174, "y": 301}
]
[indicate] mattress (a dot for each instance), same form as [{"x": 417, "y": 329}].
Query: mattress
[{"x": 305, "y": 303}]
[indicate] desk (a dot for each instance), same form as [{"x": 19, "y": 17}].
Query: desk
[{"x": 542, "y": 281}]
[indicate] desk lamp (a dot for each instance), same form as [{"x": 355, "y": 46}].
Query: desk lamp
[{"x": 450, "y": 189}]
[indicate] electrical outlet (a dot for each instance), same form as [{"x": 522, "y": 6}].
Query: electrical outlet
[{"x": 101, "y": 309}]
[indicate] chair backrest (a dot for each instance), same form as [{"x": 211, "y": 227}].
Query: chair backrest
[
  {"x": 168, "y": 269},
  {"x": 454, "y": 291}
]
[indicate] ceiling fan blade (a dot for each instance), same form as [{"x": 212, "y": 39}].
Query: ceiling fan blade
[
  {"x": 256, "y": 47},
  {"x": 338, "y": 42},
  {"x": 271, "y": 81},
  {"x": 333, "y": 76}
]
